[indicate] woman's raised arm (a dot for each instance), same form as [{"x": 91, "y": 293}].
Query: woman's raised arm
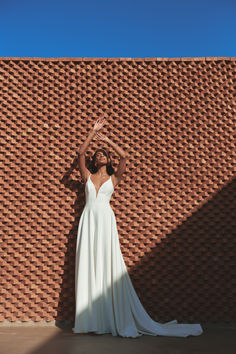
[
  {"x": 123, "y": 156},
  {"x": 82, "y": 167}
]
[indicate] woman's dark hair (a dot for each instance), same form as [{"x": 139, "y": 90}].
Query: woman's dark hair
[{"x": 109, "y": 168}]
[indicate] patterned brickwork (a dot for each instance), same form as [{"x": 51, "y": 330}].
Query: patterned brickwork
[{"x": 175, "y": 207}]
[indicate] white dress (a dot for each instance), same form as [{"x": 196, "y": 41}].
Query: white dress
[{"x": 106, "y": 301}]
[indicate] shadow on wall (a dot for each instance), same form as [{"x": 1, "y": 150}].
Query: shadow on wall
[
  {"x": 190, "y": 278},
  {"x": 190, "y": 271}
]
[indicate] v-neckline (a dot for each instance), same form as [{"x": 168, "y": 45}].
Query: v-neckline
[{"x": 99, "y": 187}]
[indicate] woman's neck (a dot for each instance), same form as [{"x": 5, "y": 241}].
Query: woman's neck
[{"x": 102, "y": 171}]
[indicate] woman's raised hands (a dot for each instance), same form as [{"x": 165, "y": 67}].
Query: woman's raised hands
[
  {"x": 99, "y": 123},
  {"x": 100, "y": 136}
]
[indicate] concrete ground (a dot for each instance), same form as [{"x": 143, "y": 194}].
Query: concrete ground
[{"x": 49, "y": 339}]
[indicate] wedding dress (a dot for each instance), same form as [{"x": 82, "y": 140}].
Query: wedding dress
[{"x": 106, "y": 301}]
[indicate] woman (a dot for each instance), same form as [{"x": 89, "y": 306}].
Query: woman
[{"x": 106, "y": 301}]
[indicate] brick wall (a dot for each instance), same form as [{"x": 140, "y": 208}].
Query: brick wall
[{"x": 175, "y": 207}]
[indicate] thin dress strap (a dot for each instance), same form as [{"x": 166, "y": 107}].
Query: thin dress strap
[{"x": 88, "y": 178}]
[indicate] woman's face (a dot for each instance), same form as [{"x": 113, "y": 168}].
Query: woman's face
[{"x": 101, "y": 158}]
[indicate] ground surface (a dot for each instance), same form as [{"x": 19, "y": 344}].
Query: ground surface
[{"x": 45, "y": 339}]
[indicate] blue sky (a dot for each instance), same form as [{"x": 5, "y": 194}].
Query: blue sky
[{"x": 122, "y": 28}]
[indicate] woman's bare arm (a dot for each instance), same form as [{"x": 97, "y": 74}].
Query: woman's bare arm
[
  {"x": 123, "y": 155},
  {"x": 123, "y": 160},
  {"x": 82, "y": 167},
  {"x": 117, "y": 148},
  {"x": 85, "y": 145}
]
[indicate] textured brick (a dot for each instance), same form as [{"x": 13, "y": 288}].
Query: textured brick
[{"x": 175, "y": 207}]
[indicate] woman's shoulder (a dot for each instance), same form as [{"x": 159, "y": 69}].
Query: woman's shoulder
[{"x": 86, "y": 177}]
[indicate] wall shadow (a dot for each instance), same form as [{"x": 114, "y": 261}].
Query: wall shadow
[
  {"x": 179, "y": 259},
  {"x": 193, "y": 261}
]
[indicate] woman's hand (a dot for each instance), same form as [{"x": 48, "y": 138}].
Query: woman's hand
[
  {"x": 100, "y": 136},
  {"x": 99, "y": 123}
]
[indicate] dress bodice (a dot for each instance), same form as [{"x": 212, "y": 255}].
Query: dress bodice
[{"x": 104, "y": 193}]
